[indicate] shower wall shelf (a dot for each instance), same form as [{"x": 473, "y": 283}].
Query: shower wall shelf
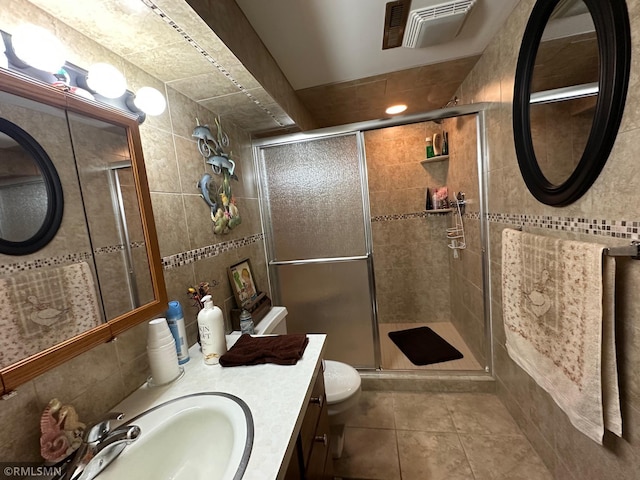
[
  {"x": 438, "y": 158},
  {"x": 440, "y": 210}
]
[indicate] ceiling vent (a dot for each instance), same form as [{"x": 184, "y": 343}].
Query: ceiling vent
[
  {"x": 436, "y": 24},
  {"x": 395, "y": 20}
]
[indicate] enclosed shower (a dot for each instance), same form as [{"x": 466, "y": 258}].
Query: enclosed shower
[{"x": 355, "y": 250}]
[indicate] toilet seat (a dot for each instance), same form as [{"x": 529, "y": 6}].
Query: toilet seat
[{"x": 341, "y": 381}]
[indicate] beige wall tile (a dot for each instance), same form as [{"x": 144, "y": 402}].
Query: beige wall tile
[
  {"x": 161, "y": 162},
  {"x": 97, "y": 380},
  {"x": 491, "y": 80},
  {"x": 19, "y": 443}
]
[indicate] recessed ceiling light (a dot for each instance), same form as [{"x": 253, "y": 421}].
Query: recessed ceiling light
[{"x": 395, "y": 109}]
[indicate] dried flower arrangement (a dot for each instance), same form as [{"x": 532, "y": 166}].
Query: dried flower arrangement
[{"x": 198, "y": 293}]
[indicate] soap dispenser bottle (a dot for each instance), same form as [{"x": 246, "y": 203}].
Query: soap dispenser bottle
[{"x": 211, "y": 328}]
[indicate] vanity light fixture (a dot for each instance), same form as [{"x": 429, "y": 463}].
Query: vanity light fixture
[
  {"x": 106, "y": 80},
  {"x": 102, "y": 83},
  {"x": 395, "y": 109},
  {"x": 150, "y": 101},
  {"x": 38, "y": 48}
]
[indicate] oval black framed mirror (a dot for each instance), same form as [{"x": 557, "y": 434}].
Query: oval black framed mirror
[
  {"x": 31, "y": 199},
  {"x": 610, "y": 21}
]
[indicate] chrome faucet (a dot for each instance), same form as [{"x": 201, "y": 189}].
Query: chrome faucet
[{"x": 100, "y": 447}]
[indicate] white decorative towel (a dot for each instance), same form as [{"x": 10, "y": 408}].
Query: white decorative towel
[
  {"x": 45, "y": 306},
  {"x": 558, "y": 303}
]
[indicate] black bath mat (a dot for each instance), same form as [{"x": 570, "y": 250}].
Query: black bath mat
[{"x": 423, "y": 346}]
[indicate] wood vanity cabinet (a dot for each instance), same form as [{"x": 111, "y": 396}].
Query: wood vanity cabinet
[{"x": 311, "y": 459}]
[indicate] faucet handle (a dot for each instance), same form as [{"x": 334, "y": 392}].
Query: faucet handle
[{"x": 98, "y": 431}]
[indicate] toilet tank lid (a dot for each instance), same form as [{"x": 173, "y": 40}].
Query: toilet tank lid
[
  {"x": 272, "y": 321},
  {"x": 340, "y": 381}
]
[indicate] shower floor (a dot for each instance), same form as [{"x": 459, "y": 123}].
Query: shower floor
[{"x": 394, "y": 359}]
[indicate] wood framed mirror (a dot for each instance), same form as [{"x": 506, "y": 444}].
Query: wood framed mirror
[
  {"x": 98, "y": 147},
  {"x": 563, "y": 161}
]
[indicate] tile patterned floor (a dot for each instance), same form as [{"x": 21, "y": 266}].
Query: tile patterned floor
[
  {"x": 394, "y": 359},
  {"x": 436, "y": 436}
]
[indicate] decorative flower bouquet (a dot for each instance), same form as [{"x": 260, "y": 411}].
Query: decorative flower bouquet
[{"x": 198, "y": 293}]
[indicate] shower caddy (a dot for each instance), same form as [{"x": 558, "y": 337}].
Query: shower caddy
[{"x": 456, "y": 233}]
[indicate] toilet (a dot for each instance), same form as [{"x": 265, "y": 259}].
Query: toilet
[{"x": 341, "y": 381}]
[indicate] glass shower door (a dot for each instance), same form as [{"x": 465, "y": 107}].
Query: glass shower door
[{"x": 316, "y": 222}]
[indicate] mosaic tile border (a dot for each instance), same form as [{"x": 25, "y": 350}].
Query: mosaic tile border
[
  {"x": 117, "y": 248},
  {"x": 169, "y": 21},
  {"x": 45, "y": 262},
  {"x": 185, "y": 258},
  {"x": 63, "y": 259},
  {"x": 624, "y": 229},
  {"x": 169, "y": 262},
  {"x": 589, "y": 226},
  {"x": 407, "y": 216}
]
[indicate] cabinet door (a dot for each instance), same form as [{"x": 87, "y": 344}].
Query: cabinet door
[
  {"x": 310, "y": 422},
  {"x": 294, "y": 472},
  {"x": 320, "y": 465}
]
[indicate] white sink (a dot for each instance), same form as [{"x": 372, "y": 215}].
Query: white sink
[{"x": 200, "y": 436}]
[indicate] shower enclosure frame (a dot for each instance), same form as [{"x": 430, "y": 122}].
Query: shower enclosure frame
[{"x": 358, "y": 129}]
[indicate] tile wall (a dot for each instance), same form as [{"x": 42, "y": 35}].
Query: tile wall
[
  {"x": 606, "y": 214},
  {"x": 97, "y": 380},
  {"x": 422, "y": 89},
  {"x": 96, "y": 149},
  {"x": 467, "y": 297},
  {"x": 409, "y": 245},
  {"x": 417, "y": 277},
  {"x": 559, "y": 150}
]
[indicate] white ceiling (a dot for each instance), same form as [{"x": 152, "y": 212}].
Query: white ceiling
[
  {"x": 319, "y": 42},
  {"x": 315, "y": 42}
]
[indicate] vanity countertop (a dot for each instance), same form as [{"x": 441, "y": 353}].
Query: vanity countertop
[{"x": 276, "y": 394}]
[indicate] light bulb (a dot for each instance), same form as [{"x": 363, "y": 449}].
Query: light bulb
[
  {"x": 106, "y": 80},
  {"x": 150, "y": 101},
  {"x": 395, "y": 109},
  {"x": 38, "y": 47}
]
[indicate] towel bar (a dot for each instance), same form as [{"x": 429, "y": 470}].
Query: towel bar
[{"x": 632, "y": 251}]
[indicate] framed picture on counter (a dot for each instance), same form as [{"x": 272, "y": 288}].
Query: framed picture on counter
[{"x": 242, "y": 284}]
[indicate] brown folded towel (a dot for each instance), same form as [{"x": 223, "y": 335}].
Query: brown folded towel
[{"x": 279, "y": 349}]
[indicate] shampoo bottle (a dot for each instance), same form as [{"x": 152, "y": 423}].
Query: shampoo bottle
[
  {"x": 211, "y": 328},
  {"x": 437, "y": 144},
  {"x": 430, "y": 153}
]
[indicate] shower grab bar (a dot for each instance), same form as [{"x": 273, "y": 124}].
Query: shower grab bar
[
  {"x": 318, "y": 260},
  {"x": 632, "y": 251}
]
